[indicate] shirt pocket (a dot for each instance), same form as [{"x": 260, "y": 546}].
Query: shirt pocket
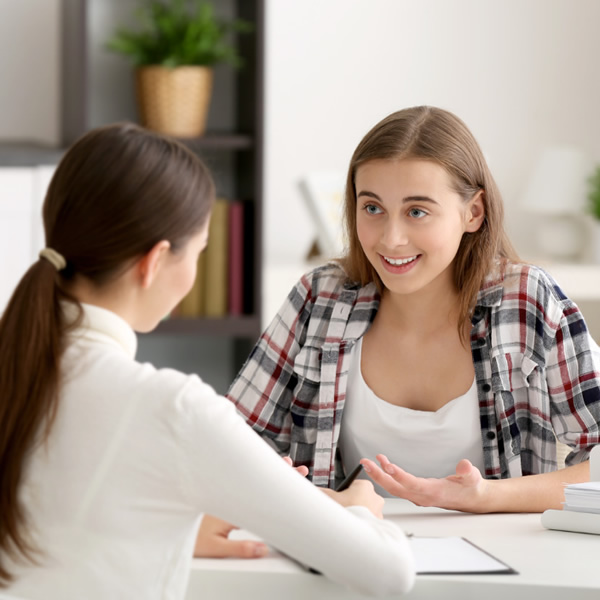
[
  {"x": 515, "y": 381},
  {"x": 305, "y": 402},
  {"x": 513, "y": 371}
]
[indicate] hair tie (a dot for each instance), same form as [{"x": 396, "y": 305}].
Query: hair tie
[{"x": 54, "y": 258}]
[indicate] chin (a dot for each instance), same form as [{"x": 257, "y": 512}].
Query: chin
[{"x": 146, "y": 327}]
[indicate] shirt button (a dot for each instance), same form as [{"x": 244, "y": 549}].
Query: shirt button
[
  {"x": 486, "y": 387},
  {"x": 481, "y": 342},
  {"x": 490, "y": 435},
  {"x": 478, "y": 313}
]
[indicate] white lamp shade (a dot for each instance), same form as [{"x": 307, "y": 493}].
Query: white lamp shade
[{"x": 558, "y": 184}]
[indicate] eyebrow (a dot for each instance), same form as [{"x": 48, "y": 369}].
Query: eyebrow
[{"x": 404, "y": 200}]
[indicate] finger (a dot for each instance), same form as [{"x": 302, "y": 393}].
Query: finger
[
  {"x": 383, "y": 460},
  {"x": 464, "y": 467},
  {"x": 467, "y": 473},
  {"x": 288, "y": 460},
  {"x": 386, "y": 481},
  {"x": 226, "y": 548},
  {"x": 404, "y": 478},
  {"x": 211, "y": 525}
]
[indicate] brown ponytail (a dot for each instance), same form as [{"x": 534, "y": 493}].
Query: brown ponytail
[{"x": 117, "y": 192}]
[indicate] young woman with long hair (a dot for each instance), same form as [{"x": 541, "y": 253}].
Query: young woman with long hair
[{"x": 429, "y": 345}]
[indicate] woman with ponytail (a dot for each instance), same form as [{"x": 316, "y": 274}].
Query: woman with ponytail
[{"x": 107, "y": 465}]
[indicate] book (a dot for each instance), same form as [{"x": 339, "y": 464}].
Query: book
[
  {"x": 215, "y": 280},
  {"x": 236, "y": 278},
  {"x": 581, "y": 509},
  {"x": 571, "y": 520},
  {"x": 192, "y": 306},
  {"x": 249, "y": 248}
]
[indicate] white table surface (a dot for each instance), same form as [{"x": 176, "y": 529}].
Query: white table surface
[{"x": 552, "y": 565}]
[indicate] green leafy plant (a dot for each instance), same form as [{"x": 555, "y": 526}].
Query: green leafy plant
[
  {"x": 179, "y": 32},
  {"x": 594, "y": 193}
]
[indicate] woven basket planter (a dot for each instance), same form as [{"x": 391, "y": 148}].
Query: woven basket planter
[{"x": 174, "y": 101}]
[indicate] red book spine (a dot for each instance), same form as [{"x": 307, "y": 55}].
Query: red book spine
[{"x": 236, "y": 258}]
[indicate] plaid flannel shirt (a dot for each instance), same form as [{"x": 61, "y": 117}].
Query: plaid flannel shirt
[{"x": 537, "y": 372}]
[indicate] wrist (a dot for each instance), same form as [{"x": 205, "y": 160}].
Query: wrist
[{"x": 487, "y": 496}]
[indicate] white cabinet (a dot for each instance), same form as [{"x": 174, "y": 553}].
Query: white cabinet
[{"x": 22, "y": 191}]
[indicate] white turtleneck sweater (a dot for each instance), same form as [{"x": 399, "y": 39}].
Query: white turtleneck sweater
[{"x": 136, "y": 455}]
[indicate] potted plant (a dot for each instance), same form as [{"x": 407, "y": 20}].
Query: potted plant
[
  {"x": 174, "y": 51},
  {"x": 594, "y": 209}
]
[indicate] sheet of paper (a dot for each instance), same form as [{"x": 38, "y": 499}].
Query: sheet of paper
[{"x": 443, "y": 555}]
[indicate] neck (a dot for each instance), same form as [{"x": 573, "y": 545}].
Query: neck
[
  {"x": 112, "y": 296},
  {"x": 427, "y": 311}
]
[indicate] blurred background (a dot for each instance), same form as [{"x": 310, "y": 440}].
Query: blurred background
[{"x": 521, "y": 73}]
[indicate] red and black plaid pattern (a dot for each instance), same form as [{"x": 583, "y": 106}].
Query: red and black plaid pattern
[{"x": 537, "y": 371}]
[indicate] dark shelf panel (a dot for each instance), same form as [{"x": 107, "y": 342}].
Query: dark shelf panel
[
  {"x": 247, "y": 326},
  {"x": 28, "y": 154},
  {"x": 220, "y": 141}
]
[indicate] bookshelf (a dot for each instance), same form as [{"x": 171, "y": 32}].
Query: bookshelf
[{"x": 97, "y": 88}]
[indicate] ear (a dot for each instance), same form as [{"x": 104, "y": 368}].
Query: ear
[
  {"x": 149, "y": 265},
  {"x": 475, "y": 213}
]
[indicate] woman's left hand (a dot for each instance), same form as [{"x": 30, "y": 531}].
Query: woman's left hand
[
  {"x": 465, "y": 490},
  {"x": 213, "y": 541}
]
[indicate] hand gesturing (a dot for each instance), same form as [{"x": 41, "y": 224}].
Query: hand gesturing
[{"x": 462, "y": 491}]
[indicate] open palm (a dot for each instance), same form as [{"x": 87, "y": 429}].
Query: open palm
[{"x": 461, "y": 491}]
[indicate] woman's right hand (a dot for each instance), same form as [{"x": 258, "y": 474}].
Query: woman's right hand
[{"x": 360, "y": 493}]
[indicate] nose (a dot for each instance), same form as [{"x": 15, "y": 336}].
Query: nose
[{"x": 394, "y": 234}]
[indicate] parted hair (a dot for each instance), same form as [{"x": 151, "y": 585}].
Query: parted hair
[
  {"x": 118, "y": 191},
  {"x": 434, "y": 134}
]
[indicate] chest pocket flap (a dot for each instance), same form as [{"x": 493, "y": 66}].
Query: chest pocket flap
[{"x": 512, "y": 371}]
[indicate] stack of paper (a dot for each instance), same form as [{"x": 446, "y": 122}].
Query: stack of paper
[
  {"x": 581, "y": 509},
  {"x": 583, "y": 497}
]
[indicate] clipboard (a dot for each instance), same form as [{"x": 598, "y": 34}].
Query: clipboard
[{"x": 455, "y": 556}]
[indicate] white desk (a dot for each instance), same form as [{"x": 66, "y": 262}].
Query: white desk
[{"x": 552, "y": 565}]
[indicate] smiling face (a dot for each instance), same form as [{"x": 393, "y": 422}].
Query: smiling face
[{"x": 410, "y": 222}]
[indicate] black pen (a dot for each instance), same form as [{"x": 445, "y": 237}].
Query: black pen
[{"x": 351, "y": 477}]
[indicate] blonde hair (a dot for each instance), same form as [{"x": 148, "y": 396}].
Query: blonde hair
[{"x": 429, "y": 133}]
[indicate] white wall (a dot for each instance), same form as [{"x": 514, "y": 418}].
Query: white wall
[{"x": 520, "y": 73}]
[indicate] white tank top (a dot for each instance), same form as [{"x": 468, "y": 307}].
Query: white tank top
[{"x": 424, "y": 443}]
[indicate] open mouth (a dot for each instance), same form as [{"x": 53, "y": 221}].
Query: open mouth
[{"x": 396, "y": 262}]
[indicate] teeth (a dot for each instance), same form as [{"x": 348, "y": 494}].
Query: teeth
[{"x": 400, "y": 261}]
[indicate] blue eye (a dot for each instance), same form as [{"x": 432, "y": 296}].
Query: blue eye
[
  {"x": 372, "y": 209},
  {"x": 417, "y": 213}
]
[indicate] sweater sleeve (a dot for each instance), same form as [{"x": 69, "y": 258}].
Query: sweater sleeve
[{"x": 232, "y": 473}]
